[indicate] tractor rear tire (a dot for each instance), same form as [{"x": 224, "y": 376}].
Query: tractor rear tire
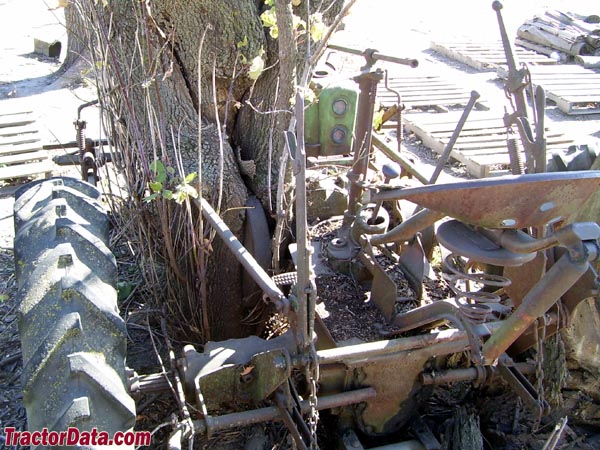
[{"x": 73, "y": 339}]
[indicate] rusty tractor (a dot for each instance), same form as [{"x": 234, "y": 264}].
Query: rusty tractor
[{"x": 516, "y": 264}]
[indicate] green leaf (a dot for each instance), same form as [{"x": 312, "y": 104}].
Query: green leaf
[
  {"x": 256, "y": 68},
  {"x": 317, "y": 27},
  {"x": 3, "y": 297},
  {"x": 270, "y": 2},
  {"x": 298, "y": 23},
  {"x": 309, "y": 96},
  {"x": 156, "y": 186},
  {"x": 243, "y": 43},
  {"x": 179, "y": 196},
  {"x": 190, "y": 177},
  {"x": 269, "y": 19},
  {"x": 158, "y": 168},
  {"x": 170, "y": 170},
  {"x": 378, "y": 119},
  {"x": 190, "y": 190},
  {"x": 124, "y": 290},
  {"x": 151, "y": 197},
  {"x": 168, "y": 194}
]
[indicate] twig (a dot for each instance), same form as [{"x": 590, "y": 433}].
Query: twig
[
  {"x": 336, "y": 22},
  {"x": 201, "y": 255},
  {"x": 217, "y": 119},
  {"x": 556, "y": 434},
  {"x": 11, "y": 359},
  {"x": 270, "y": 159}
]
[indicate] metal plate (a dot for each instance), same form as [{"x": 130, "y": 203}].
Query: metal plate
[{"x": 506, "y": 202}]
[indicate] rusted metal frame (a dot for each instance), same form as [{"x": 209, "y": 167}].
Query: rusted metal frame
[
  {"x": 518, "y": 241},
  {"x": 515, "y": 82},
  {"x": 383, "y": 289},
  {"x": 363, "y": 353},
  {"x": 367, "y": 83},
  {"x": 87, "y": 153},
  {"x": 371, "y": 352},
  {"x": 467, "y": 374},
  {"x": 254, "y": 269},
  {"x": 409, "y": 228},
  {"x": 298, "y": 429},
  {"x": 574, "y": 186},
  {"x": 523, "y": 388},
  {"x": 535, "y": 148},
  {"x": 398, "y": 112},
  {"x": 212, "y": 424},
  {"x": 436, "y": 311},
  {"x": 558, "y": 280},
  {"x": 373, "y": 56}
]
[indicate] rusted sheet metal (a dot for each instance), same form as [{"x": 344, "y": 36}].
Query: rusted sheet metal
[
  {"x": 563, "y": 274},
  {"x": 506, "y": 202}
]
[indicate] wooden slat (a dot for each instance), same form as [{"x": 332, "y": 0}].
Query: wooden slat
[
  {"x": 23, "y": 157},
  {"x": 21, "y": 148},
  {"x": 572, "y": 88},
  {"x": 19, "y": 139},
  {"x": 481, "y": 146},
  {"x": 424, "y": 90},
  {"x": 25, "y": 170},
  {"x": 15, "y": 131},
  {"x": 8, "y": 112},
  {"x": 486, "y": 55},
  {"x": 15, "y": 120}
]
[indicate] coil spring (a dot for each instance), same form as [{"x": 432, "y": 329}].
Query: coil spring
[
  {"x": 474, "y": 305},
  {"x": 80, "y": 126}
]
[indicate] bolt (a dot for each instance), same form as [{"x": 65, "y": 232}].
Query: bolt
[{"x": 338, "y": 242}]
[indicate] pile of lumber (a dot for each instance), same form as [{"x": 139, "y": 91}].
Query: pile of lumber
[{"x": 566, "y": 35}]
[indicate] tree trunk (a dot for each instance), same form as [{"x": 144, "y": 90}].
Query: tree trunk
[{"x": 154, "y": 87}]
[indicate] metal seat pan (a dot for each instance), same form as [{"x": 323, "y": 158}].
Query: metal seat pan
[
  {"x": 465, "y": 241},
  {"x": 513, "y": 202}
]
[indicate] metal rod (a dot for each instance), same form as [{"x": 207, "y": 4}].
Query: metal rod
[
  {"x": 367, "y": 83},
  {"x": 409, "y": 228},
  {"x": 254, "y": 269},
  {"x": 304, "y": 294},
  {"x": 514, "y": 77},
  {"x": 361, "y": 352},
  {"x": 394, "y": 156},
  {"x": 375, "y": 55},
  {"x": 470, "y": 373},
  {"x": 271, "y": 413},
  {"x": 455, "y": 135},
  {"x": 434, "y": 312},
  {"x": 538, "y": 300}
]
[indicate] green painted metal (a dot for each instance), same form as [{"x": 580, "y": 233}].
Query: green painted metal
[{"x": 329, "y": 122}]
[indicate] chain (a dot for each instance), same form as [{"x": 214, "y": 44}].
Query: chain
[
  {"x": 540, "y": 337},
  {"x": 313, "y": 377}
]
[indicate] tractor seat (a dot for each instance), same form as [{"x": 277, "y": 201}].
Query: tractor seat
[{"x": 511, "y": 202}]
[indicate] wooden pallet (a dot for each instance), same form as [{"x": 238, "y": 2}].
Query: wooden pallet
[
  {"x": 481, "y": 146},
  {"x": 487, "y": 55},
  {"x": 21, "y": 154},
  {"x": 424, "y": 91},
  {"x": 572, "y": 88}
]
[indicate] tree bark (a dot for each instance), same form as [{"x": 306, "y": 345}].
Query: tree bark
[{"x": 146, "y": 56}]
